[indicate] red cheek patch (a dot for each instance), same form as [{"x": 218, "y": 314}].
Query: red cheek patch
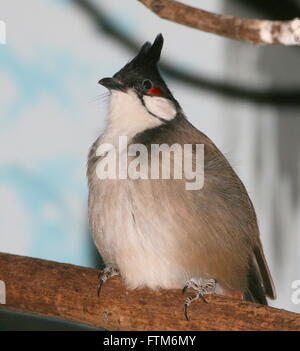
[{"x": 154, "y": 91}]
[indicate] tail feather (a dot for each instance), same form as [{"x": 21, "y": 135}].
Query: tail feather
[
  {"x": 255, "y": 291},
  {"x": 260, "y": 283},
  {"x": 265, "y": 273}
]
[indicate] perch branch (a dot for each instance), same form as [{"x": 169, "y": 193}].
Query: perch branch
[
  {"x": 255, "y": 31},
  {"x": 68, "y": 292}
]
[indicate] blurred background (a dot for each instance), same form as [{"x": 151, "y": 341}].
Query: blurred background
[{"x": 245, "y": 98}]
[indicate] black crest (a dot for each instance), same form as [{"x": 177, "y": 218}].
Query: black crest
[
  {"x": 144, "y": 65},
  {"x": 149, "y": 54},
  {"x": 142, "y": 71}
]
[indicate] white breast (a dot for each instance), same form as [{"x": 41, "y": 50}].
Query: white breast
[
  {"x": 127, "y": 116},
  {"x": 120, "y": 212}
]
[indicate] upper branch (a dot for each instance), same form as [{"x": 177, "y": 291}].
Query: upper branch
[{"x": 255, "y": 31}]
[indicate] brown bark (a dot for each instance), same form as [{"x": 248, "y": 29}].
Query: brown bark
[
  {"x": 250, "y": 30},
  {"x": 69, "y": 292}
]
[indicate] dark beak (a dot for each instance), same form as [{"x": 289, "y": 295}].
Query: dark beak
[{"x": 111, "y": 84}]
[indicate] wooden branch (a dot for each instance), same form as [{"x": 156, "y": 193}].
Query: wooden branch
[
  {"x": 69, "y": 292},
  {"x": 250, "y": 30}
]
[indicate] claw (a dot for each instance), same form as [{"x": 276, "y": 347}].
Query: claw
[
  {"x": 99, "y": 287},
  {"x": 107, "y": 273},
  {"x": 201, "y": 290},
  {"x": 186, "y": 312},
  {"x": 203, "y": 298}
]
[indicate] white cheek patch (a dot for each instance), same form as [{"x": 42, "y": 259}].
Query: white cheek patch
[{"x": 160, "y": 107}]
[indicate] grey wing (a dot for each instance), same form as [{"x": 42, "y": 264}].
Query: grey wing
[{"x": 259, "y": 281}]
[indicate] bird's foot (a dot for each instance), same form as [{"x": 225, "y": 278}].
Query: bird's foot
[
  {"x": 107, "y": 273},
  {"x": 205, "y": 288}
]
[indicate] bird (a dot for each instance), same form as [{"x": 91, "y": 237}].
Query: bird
[{"x": 156, "y": 233}]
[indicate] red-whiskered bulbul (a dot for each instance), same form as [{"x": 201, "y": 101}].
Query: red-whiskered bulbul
[{"x": 155, "y": 232}]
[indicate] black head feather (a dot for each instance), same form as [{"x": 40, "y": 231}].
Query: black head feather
[
  {"x": 148, "y": 56},
  {"x": 142, "y": 68},
  {"x": 145, "y": 66}
]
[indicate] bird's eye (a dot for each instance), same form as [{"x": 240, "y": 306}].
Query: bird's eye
[
  {"x": 150, "y": 89},
  {"x": 147, "y": 84}
]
